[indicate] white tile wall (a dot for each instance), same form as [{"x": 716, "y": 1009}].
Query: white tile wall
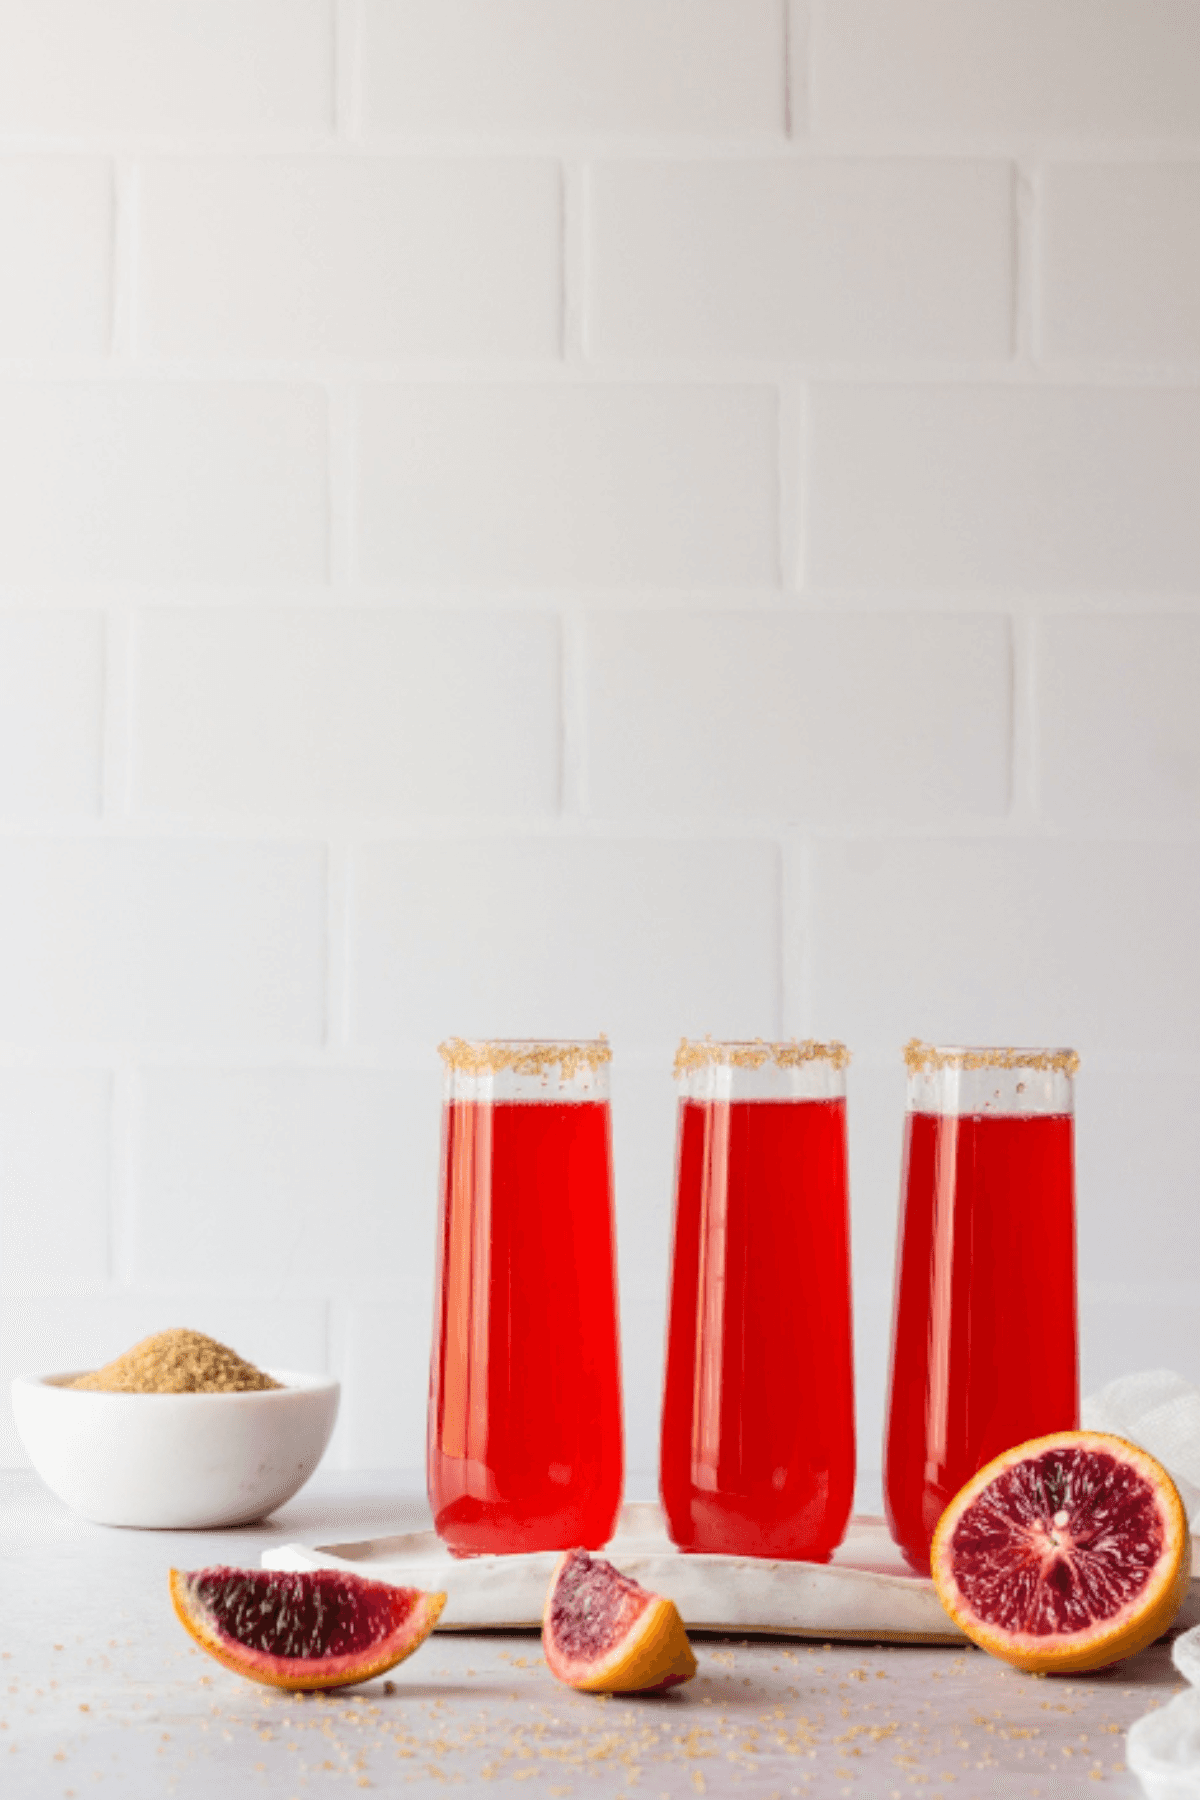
[
  {"x": 51, "y": 714},
  {"x": 74, "y": 67},
  {"x": 380, "y": 1353},
  {"x": 549, "y": 515},
  {"x": 345, "y": 713},
  {"x": 1004, "y": 486},
  {"x": 56, "y": 226},
  {"x": 495, "y": 485},
  {"x": 1141, "y": 675},
  {"x": 644, "y": 1108},
  {"x": 1148, "y": 1329},
  {"x": 1121, "y": 275},
  {"x": 763, "y": 716},
  {"x": 320, "y": 1177},
  {"x": 856, "y": 259},
  {"x": 115, "y": 941},
  {"x": 378, "y": 258},
  {"x": 173, "y": 481},
  {"x": 567, "y": 937},
  {"x": 1040, "y": 941},
  {"x": 1026, "y": 71},
  {"x": 55, "y": 1186},
  {"x": 569, "y": 68},
  {"x": 1138, "y": 1151}
]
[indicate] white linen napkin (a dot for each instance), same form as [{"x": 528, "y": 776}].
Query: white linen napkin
[
  {"x": 1161, "y": 1411},
  {"x": 1163, "y": 1748}
]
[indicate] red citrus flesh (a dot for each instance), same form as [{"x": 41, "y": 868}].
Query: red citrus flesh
[
  {"x": 1067, "y": 1553},
  {"x": 603, "y": 1633},
  {"x": 312, "y": 1629}
]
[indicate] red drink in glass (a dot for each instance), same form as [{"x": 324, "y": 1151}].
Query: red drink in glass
[
  {"x": 984, "y": 1336},
  {"x": 758, "y": 1409},
  {"x": 525, "y": 1439}
]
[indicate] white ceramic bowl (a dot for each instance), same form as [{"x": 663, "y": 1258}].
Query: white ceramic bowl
[{"x": 175, "y": 1462}]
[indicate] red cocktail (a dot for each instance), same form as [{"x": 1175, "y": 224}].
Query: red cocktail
[
  {"x": 758, "y": 1411},
  {"x": 984, "y": 1337},
  {"x": 525, "y": 1444}
]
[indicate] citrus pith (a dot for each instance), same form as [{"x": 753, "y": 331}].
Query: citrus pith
[
  {"x": 604, "y": 1634},
  {"x": 1066, "y": 1553},
  {"x": 312, "y": 1629}
]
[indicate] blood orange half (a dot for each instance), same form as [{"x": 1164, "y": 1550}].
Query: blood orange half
[
  {"x": 604, "y": 1634},
  {"x": 315, "y": 1629},
  {"x": 1069, "y": 1552}
]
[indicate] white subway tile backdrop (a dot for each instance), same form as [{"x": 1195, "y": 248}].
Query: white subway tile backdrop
[
  {"x": 1120, "y": 271},
  {"x": 756, "y": 259},
  {"x": 56, "y": 225},
  {"x": 538, "y": 516},
  {"x": 151, "y": 482},
  {"x": 567, "y": 485}
]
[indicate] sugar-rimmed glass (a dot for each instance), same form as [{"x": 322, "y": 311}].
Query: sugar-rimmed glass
[
  {"x": 984, "y": 1331},
  {"x": 525, "y": 1444},
  {"x": 758, "y": 1407}
]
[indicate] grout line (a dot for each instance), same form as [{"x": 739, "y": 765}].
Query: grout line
[
  {"x": 749, "y": 601},
  {"x": 519, "y": 141},
  {"x": 724, "y": 831},
  {"x": 737, "y": 143},
  {"x": 727, "y": 372}
]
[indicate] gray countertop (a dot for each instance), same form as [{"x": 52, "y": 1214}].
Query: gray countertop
[{"x": 102, "y": 1691}]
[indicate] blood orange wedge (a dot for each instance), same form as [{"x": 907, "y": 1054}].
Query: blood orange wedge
[
  {"x": 1069, "y": 1552},
  {"x": 604, "y": 1634},
  {"x": 316, "y": 1629}
]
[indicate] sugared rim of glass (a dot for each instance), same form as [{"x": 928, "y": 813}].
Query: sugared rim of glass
[
  {"x": 524, "y": 1056},
  {"x": 923, "y": 1059},
  {"x": 755, "y": 1053}
]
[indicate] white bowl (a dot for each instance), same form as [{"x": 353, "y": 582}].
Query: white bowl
[{"x": 175, "y": 1462}]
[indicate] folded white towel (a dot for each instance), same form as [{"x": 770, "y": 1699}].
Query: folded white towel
[
  {"x": 1163, "y": 1748},
  {"x": 1161, "y": 1411}
]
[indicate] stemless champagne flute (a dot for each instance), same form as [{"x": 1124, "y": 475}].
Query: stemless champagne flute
[
  {"x": 984, "y": 1337},
  {"x": 758, "y": 1409},
  {"x": 525, "y": 1443}
]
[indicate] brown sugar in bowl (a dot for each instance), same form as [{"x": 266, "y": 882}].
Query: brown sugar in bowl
[{"x": 175, "y": 1461}]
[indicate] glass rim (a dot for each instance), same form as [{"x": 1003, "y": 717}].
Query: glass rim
[
  {"x": 755, "y": 1053},
  {"x": 928, "y": 1059},
  {"x": 524, "y": 1056}
]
